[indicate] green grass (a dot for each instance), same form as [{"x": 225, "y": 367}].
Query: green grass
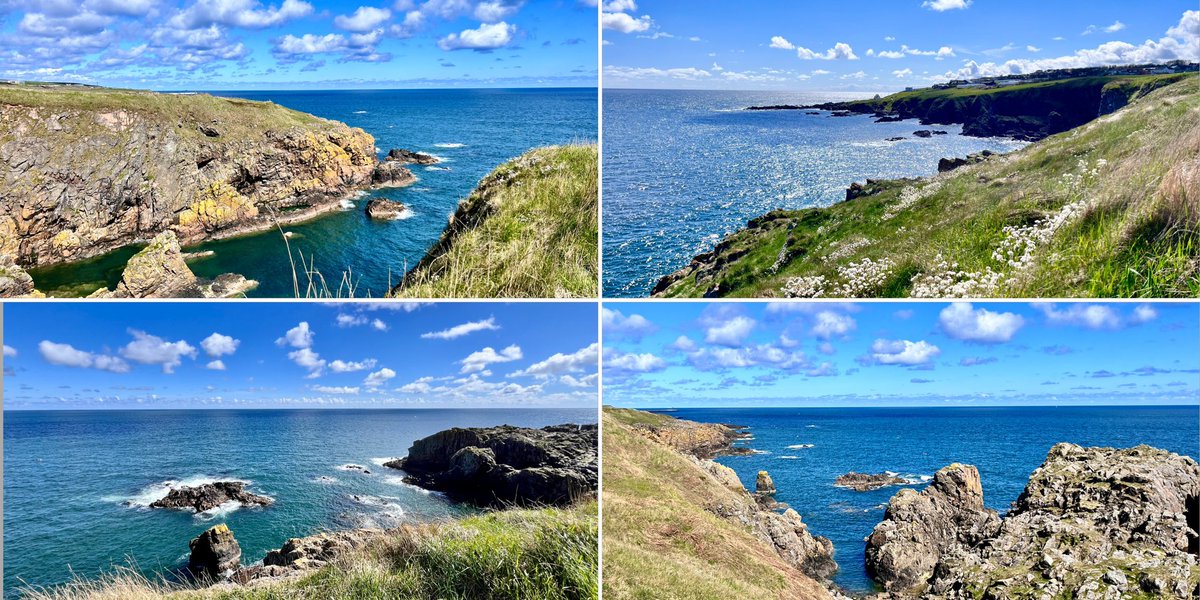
[
  {"x": 529, "y": 230},
  {"x": 1137, "y": 237},
  {"x": 537, "y": 554}
]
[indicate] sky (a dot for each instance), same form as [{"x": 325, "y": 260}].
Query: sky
[
  {"x": 880, "y": 45},
  {"x": 304, "y": 44},
  {"x": 693, "y": 354},
  {"x": 173, "y": 355}
]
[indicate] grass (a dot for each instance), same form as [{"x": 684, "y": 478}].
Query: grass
[
  {"x": 535, "y": 554},
  {"x": 529, "y": 230},
  {"x": 1135, "y": 173},
  {"x": 661, "y": 541}
]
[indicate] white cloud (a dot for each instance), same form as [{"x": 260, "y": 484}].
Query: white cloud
[
  {"x": 633, "y": 363},
  {"x": 153, "y": 350},
  {"x": 963, "y": 322},
  {"x": 364, "y": 19},
  {"x": 299, "y": 336},
  {"x": 342, "y": 366},
  {"x": 619, "y": 5},
  {"x": 1032, "y": 48},
  {"x": 939, "y": 54},
  {"x": 250, "y": 14},
  {"x": 379, "y": 325},
  {"x": 731, "y": 332},
  {"x": 707, "y": 359},
  {"x": 829, "y": 324},
  {"x": 619, "y": 21},
  {"x": 615, "y": 323},
  {"x": 1090, "y": 316},
  {"x": 586, "y": 381},
  {"x": 325, "y": 389},
  {"x": 840, "y": 50},
  {"x": 902, "y": 73},
  {"x": 583, "y": 359},
  {"x": 685, "y": 73},
  {"x": 379, "y": 378},
  {"x": 855, "y": 75},
  {"x": 1144, "y": 313},
  {"x": 487, "y": 36},
  {"x": 345, "y": 320},
  {"x": 308, "y": 359},
  {"x": 781, "y": 43},
  {"x": 478, "y": 361},
  {"x": 488, "y": 324},
  {"x": 491, "y": 11},
  {"x": 67, "y": 356},
  {"x": 9, "y": 351},
  {"x": 218, "y": 344},
  {"x": 944, "y": 5},
  {"x": 215, "y": 365},
  {"x": 903, "y": 352},
  {"x": 420, "y": 386}
]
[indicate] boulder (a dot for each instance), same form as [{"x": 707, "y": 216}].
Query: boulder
[
  {"x": 209, "y": 496},
  {"x": 315, "y": 551},
  {"x": 923, "y": 133},
  {"x": 14, "y": 281},
  {"x": 404, "y": 157},
  {"x": 215, "y": 553},
  {"x": 502, "y": 465},
  {"x": 763, "y": 483},
  {"x": 392, "y": 174},
  {"x": 949, "y": 164},
  {"x": 382, "y": 208},
  {"x": 865, "y": 482}
]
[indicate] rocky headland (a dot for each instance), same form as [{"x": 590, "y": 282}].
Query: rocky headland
[
  {"x": 208, "y": 496},
  {"x": 506, "y": 465}
]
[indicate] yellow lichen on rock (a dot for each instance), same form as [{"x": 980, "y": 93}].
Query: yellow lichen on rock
[
  {"x": 65, "y": 242},
  {"x": 218, "y": 204}
]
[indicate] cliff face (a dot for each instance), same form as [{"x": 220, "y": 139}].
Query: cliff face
[{"x": 85, "y": 171}]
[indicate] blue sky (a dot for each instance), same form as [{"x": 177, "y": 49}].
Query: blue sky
[
  {"x": 306, "y": 44},
  {"x": 881, "y": 45},
  {"x": 296, "y": 354},
  {"x": 686, "y": 354}
]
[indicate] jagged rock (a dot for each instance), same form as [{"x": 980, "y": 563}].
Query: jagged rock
[
  {"x": 214, "y": 553},
  {"x": 392, "y": 174},
  {"x": 209, "y": 496},
  {"x": 14, "y": 281},
  {"x": 1092, "y": 523},
  {"x": 923, "y": 133},
  {"x": 763, "y": 483},
  {"x": 920, "y": 527},
  {"x": 865, "y": 482},
  {"x": 382, "y": 208},
  {"x": 315, "y": 551},
  {"x": 404, "y": 157},
  {"x": 160, "y": 271},
  {"x": 858, "y": 190},
  {"x": 888, "y": 118},
  {"x": 949, "y": 164},
  {"x": 506, "y": 465},
  {"x": 702, "y": 440},
  {"x": 227, "y": 285},
  {"x": 895, "y": 139}
]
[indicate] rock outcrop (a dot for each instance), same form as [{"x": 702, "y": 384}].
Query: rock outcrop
[
  {"x": 315, "y": 551},
  {"x": 14, "y": 281},
  {"x": 763, "y": 484},
  {"x": 865, "y": 482},
  {"x": 1092, "y": 523},
  {"x": 949, "y": 164},
  {"x": 215, "y": 553},
  {"x": 90, "y": 170},
  {"x": 392, "y": 174},
  {"x": 209, "y": 496},
  {"x": 160, "y": 271},
  {"x": 503, "y": 465},
  {"x": 702, "y": 440},
  {"x": 382, "y": 208},
  {"x": 405, "y": 157}
]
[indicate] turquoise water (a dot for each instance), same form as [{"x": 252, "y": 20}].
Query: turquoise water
[
  {"x": 1006, "y": 444},
  {"x": 76, "y": 483},
  {"x": 473, "y": 131},
  {"x": 682, "y": 169}
]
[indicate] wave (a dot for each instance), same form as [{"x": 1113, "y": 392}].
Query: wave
[
  {"x": 788, "y": 457},
  {"x": 799, "y": 446},
  {"x": 434, "y": 168},
  {"x": 449, "y": 145},
  {"x": 399, "y": 481},
  {"x": 383, "y": 459},
  {"x": 326, "y": 480},
  {"x": 360, "y": 112},
  {"x": 909, "y": 478},
  {"x": 347, "y": 204},
  {"x": 144, "y": 497},
  {"x": 405, "y": 213},
  {"x": 386, "y": 510},
  {"x": 220, "y": 512},
  {"x": 353, "y": 467},
  {"x": 755, "y": 451}
]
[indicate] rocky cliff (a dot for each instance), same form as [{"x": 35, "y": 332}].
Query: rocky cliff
[
  {"x": 1092, "y": 523},
  {"x": 86, "y": 170}
]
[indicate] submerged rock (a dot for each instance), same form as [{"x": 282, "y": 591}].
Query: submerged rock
[
  {"x": 502, "y": 465},
  {"x": 215, "y": 553},
  {"x": 382, "y": 208},
  {"x": 402, "y": 156},
  {"x": 865, "y": 482},
  {"x": 209, "y": 496}
]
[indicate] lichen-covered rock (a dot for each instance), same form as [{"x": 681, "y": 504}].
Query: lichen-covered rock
[
  {"x": 315, "y": 551},
  {"x": 86, "y": 172},
  {"x": 763, "y": 483},
  {"x": 506, "y": 465},
  {"x": 215, "y": 553},
  {"x": 382, "y": 208},
  {"x": 160, "y": 271},
  {"x": 14, "y": 281}
]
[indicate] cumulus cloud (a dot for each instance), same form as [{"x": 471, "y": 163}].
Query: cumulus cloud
[
  {"x": 491, "y": 11},
  {"x": 829, "y": 324},
  {"x": 624, "y": 23},
  {"x": 249, "y": 14},
  {"x": 840, "y": 50},
  {"x": 615, "y": 324},
  {"x": 633, "y": 362},
  {"x": 66, "y": 355},
  {"x": 487, "y": 36},
  {"x": 326, "y": 389},
  {"x": 218, "y": 344},
  {"x": 1089, "y": 316},
  {"x": 944, "y": 5},
  {"x": 903, "y": 352},
  {"x": 343, "y": 366},
  {"x": 378, "y": 378},
  {"x": 420, "y": 386},
  {"x": 961, "y": 321},
  {"x": 300, "y": 336},
  {"x": 215, "y": 365},
  {"x": 683, "y": 73},
  {"x": 9, "y": 351},
  {"x": 153, "y": 350},
  {"x": 478, "y": 361},
  {"x": 729, "y": 332},
  {"x": 311, "y": 361},
  {"x": 583, "y": 359},
  {"x": 365, "y": 18},
  {"x": 759, "y": 355},
  {"x": 488, "y": 324}
]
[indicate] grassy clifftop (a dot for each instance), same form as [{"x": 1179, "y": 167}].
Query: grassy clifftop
[
  {"x": 530, "y": 229},
  {"x": 662, "y": 538},
  {"x": 1108, "y": 209},
  {"x": 545, "y": 554}
]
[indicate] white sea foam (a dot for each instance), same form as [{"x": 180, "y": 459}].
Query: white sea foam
[
  {"x": 347, "y": 204},
  {"x": 405, "y": 213},
  {"x": 449, "y": 145},
  {"x": 157, "y": 491},
  {"x": 385, "y": 506},
  {"x": 788, "y": 457},
  {"x": 799, "y": 446},
  {"x": 360, "y": 112},
  {"x": 326, "y": 480},
  {"x": 220, "y": 512},
  {"x": 755, "y": 451},
  {"x": 383, "y": 459},
  {"x": 397, "y": 480},
  {"x": 436, "y": 168}
]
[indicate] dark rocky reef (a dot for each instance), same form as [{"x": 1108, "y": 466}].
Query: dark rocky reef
[
  {"x": 949, "y": 164},
  {"x": 1092, "y": 523},
  {"x": 382, "y": 208},
  {"x": 505, "y": 465},
  {"x": 866, "y": 482},
  {"x": 209, "y": 496},
  {"x": 405, "y": 157},
  {"x": 215, "y": 553}
]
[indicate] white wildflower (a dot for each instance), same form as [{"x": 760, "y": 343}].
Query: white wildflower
[{"x": 804, "y": 287}]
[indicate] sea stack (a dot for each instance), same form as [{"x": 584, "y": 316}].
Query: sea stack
[
  {"x": 763, "y": 484},
  {"x": 215, "y": 553}
]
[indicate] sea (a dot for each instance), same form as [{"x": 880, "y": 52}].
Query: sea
[
  {"x": 77, "y": 484},
  {"x": 805, "y": 449},
  {"x": 682, "y": 169},
  {"x": 472, "y": 130}
]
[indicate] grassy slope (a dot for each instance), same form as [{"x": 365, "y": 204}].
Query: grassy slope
[
  {"x": 540, "y": 240},
  {"x": 549, "y": 554},
  {"x": 233, "y": 117},
  {"x": 660, "y": 542},
  {"x": 1138, "y": 237}
]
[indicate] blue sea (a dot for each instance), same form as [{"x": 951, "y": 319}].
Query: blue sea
[
  {"x": 473, "y": 131},
  {"x": 77, "y": 484},
  {"x": 684, "y": 168},
  {"x": 1005, "y": 444}
]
